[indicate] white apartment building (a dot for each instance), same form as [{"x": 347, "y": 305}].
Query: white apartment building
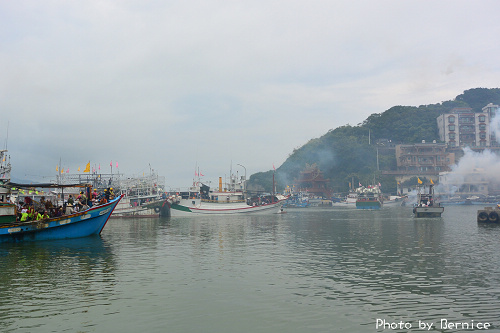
[{"x": 463, "y": 127}]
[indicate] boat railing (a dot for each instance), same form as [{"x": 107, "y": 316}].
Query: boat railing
[{"x": 222, "y": 201}]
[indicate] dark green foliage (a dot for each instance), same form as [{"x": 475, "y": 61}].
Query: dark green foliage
[
  {"x": 344, "y": 154},
  {"x": 479, "y": 97}
]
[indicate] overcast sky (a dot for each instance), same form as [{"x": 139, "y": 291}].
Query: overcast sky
[{"x": 173, "y": 85}]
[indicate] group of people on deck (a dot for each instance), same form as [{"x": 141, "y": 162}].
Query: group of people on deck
[
  {"x": 82, "y": 202},
  {"x": 30, "y": 210}
]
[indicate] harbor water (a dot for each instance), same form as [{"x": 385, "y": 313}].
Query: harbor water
[{"x": 308, "y": 270}]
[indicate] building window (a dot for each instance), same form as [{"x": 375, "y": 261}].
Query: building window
[
  {"x": 466, "y": 120},
  {"x": 482, "y": 127},
  {"x": 453, "y": 144},
  {"x": 451, "y": 136},
  {"x": 482, "y": 118},
  {"x": 451, "y": 127},
  {"x": 451, "y": 119},
  {"x": 482, "y": 135},
  {"x": 482, "y": 143}
]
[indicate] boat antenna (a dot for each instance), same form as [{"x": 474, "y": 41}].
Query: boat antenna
[{"x": 7, "y": 137}]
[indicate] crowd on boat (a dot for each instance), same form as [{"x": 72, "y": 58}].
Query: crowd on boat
[{"x": 32, "y": 210}]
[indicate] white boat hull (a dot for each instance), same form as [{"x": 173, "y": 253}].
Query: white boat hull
[{"x": 190, "y": 207}]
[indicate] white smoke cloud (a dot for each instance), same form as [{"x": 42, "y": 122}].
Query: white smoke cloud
[
  {"x": 473, "y": 168},
  {"x": 495, "y": 126}
]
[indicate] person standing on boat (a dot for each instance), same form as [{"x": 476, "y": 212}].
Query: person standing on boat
[{"x": 24, "y": 214}]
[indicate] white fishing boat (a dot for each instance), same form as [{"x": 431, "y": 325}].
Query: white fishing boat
[
  {"x": 393, "y": 200},
  {"x": 199, "y": 199}
]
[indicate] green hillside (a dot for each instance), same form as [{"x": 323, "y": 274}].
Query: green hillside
[{"x": 344, "y": 153}]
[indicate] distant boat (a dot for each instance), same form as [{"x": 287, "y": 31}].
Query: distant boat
[
  {"x": 426, "y": 206},
  {"x": 349, "y": 200},
  {"x": 394, "y": 201},
  {"x": 369, "y": 197},
  {"x": 200, "y": 200},
  {"x": 297, "y": 200}
]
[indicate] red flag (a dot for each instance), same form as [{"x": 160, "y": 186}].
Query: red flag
[
  {"x": 117, "y": 164},
  {"x": 202, "y": 175},
  {"x": 360, "y": 185},
  {"x": 111, "y": 164},
  {"x": 274, "y": 167}
]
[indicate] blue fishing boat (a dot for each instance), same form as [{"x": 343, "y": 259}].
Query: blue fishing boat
[
  {"x": 15, "y": 226},
  {"x": 84, "y": 223}
]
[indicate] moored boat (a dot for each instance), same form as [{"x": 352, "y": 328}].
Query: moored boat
[{"x": 142, "y": 197}]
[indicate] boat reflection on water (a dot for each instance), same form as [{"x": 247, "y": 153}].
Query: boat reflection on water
[{"x": 34, "y": 269}]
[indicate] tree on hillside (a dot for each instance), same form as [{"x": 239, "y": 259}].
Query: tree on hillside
[{"x": 479, "y": 97}]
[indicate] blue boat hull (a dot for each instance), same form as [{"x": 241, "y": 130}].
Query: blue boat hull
[{"x": 82, "y": 224}]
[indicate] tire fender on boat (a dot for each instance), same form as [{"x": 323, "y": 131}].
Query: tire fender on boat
[
  {"x": 482, "y": 217},
  {"x": 157, "y": 209},
  {"x": 493, "y": 216}
]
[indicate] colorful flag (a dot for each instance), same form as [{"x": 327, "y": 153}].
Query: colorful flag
[
  {"x": 57, "y": 168},
  {"x": 419, "y": 181},
  {"x": 117, "y": 165},
  {"x": 78, "y": 168},
  {"x": 432, "y": 182},
  {"x": 87, "y": 168},
  {"x": 360, "y": 185}
]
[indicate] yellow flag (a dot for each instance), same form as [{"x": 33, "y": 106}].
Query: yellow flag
[
  {"x": 57, "y": 168},
  {"x": 419, "y": 181},
  {"x": 78, "y": 168},
  {"x": 87, "y": 168},
  {"x": 432, "y": 182}
]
